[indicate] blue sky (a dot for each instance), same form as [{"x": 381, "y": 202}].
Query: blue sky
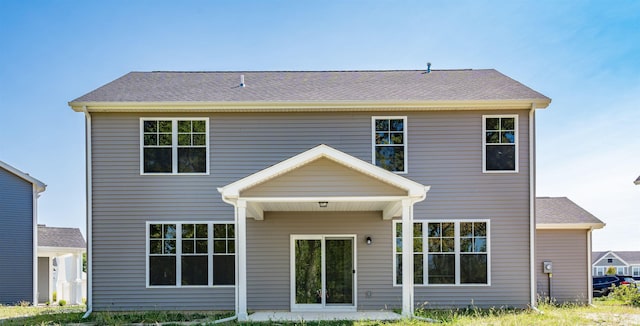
[{"x": 585, "y": 55}]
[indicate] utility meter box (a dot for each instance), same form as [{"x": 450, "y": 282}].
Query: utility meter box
[{"x": 547, "y": 267}]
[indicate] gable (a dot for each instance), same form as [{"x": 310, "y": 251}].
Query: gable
[
  {"x": 323, "y": 177},
  {"x": 615, "y": 260}
]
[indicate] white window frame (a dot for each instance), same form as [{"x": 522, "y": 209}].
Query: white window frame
[
  {"x": 635, "y": 271},
  {"x": 457, "y": 251},
  {"x": 405, "y": 140},
  {"x": 598, "y": 271},
  {"x": 516, "y": 142},
  {"x": 174, "y": 144},
  {"x": 179, "y": 254}
]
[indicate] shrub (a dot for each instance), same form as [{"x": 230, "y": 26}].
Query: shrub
[
  {"x": 55, "y": 296},
  {"x": 24, "y": 303},
  {"x": 62, "y": 303},
  {"x": 628, "y": 294}
]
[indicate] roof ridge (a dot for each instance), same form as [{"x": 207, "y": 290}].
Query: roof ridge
[{"x": 302, "y": 71}]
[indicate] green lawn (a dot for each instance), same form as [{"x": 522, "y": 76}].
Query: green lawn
[{"x": 604, "y": 312}]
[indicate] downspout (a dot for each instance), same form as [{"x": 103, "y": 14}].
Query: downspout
[
  {"x": 34, "y": 282},
  {"x": 532, "y": 205},
  {"x": 89, "y": 210},
  {"x": 589, "y": 268},
  {"x": 235, "y": 220},
  {"x": 35, "y": 193}
]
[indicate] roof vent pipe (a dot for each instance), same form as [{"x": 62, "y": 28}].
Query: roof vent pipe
[
  {"x": 241, "y": 80},
  {"x": 428, "y": 67}
]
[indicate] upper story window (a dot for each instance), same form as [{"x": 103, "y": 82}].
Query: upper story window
[
  {"x": 390, "y": 143},
  {"x": 174, "y": 146},
  {"x": 452, "y": 252},
  {"x": 500, "y": 143}
]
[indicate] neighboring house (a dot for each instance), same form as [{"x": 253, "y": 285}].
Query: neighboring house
[
  {"x": 19, "y": 194},
  {"x": 295, "y": 191},
  {"x": 60, "y": 264},
  {"x": 563, "y": 238},
  {"x": 625, "y": 262}
]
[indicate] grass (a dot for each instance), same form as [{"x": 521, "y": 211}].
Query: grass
[{"x": 604, "y": 312}]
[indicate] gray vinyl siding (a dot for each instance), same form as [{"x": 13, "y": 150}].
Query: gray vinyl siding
[
  {"x": 567, "y": 250},
  {"x": 444, "y": 151},
  {"x": 43, "y": 279},
  {"x": 269, "y": 264},
  {"x": 16, "y": 256}
]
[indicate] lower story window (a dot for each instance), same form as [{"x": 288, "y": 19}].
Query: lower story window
[
  {"x": 446, "y": 252},
  {"x": 189, "y": 254}
]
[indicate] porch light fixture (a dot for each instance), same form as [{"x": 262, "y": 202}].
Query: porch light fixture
[
  {"x": 369, "y": 240},
  {"x": 323, "y": 204}
]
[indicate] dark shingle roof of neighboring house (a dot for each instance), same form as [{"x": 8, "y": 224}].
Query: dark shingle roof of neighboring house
[
  {"x": 313, "y": 86},
  {"x": 631, "y": 257},
  {"x": 562, "y": 211},
  {"x": 60, "y": 237},
  {"x": 637, "y": 181}
]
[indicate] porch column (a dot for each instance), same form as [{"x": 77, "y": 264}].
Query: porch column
[
  {"x": 407, "y": 258},
  {"x": 76, "y": 288},
  {"x": 241, "y": 251}
]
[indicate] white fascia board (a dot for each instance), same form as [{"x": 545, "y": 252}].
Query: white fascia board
[
  {"x": 414, "y": 189},
  {"x": 40, "y": 186},
  {"x": 569, "y": 226},
  {"x": 308, "y": 106}
]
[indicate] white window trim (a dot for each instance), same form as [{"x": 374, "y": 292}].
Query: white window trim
[
  {"x": 174, "y": 144},
  {"x": 484, "y": 142},
  {"x": 178, "y": 255},
  {"x": 457, "y": 252},
  {"x": 405, "y": 140},
  {"x": 635, "y": 269}
]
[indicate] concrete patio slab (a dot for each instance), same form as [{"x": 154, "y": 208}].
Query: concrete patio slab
[{"x": 263, "y": 316}]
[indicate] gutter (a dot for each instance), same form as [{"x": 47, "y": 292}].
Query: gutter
[
  {"x": 306, "y": 106},
  {"x": 89, "y": 209}
]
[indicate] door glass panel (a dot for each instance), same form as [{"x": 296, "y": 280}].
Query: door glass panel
[
  {"x": 308, "y": 267},
  {"x": 339, "y": 265}
]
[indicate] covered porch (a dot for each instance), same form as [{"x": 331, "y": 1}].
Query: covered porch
[{"x": 332, "y": 197}]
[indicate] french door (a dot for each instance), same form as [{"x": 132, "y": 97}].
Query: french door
[{"x": 323, "y": 273}]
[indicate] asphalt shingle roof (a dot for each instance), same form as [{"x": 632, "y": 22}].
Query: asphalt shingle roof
[
  {"x": 559, "y": 210},
  {"x": 631, "y": 257},
  {"x": 313, "y": 86},
  {"x": 60, "y": 237}
]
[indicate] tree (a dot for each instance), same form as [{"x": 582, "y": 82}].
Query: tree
[
  {"x": 84, "y": 262},
  {"x": 611, "y": 270}
]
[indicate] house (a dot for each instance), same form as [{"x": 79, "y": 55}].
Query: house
[
  {"x": 563, "y": 250},
  {"x": 60, "y": 264},
  {"x": 310, "y": 191},
  {"x": 19, "y": 194},
  {"x": 625, "y": 262}
]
